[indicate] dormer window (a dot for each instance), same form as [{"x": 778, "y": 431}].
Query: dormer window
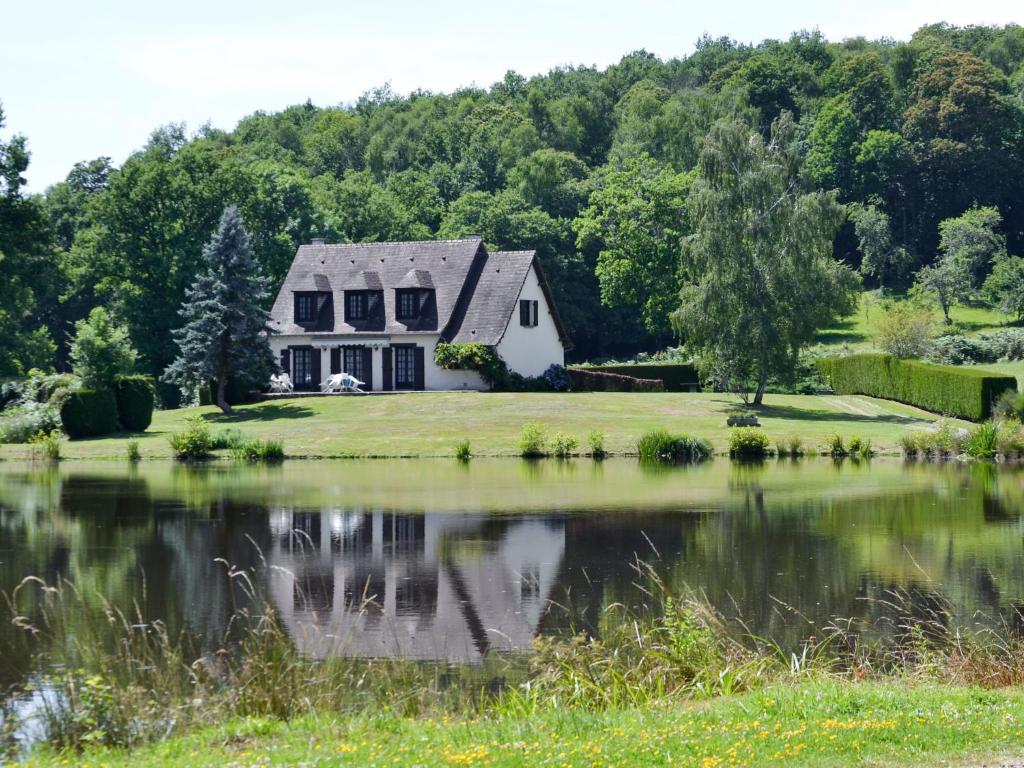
[
  {"x": 356, "y": 303},
  {"x": 407, "y": 304},
  {"x": 305, "y": 308}
]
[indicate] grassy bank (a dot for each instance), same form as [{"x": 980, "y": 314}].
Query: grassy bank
[
  {"x": 431, "y": 423},
  {"x": 855, "y": 332},
  {"x": 813, "y": 723}
]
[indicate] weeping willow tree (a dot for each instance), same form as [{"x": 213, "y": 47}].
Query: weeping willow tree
[{"x": 759, "y": 279}]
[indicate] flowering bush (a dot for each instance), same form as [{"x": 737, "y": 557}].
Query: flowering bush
[{"x": 557, "y": 377}]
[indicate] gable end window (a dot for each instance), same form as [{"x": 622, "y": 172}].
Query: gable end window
[
  {"x": 355, "y": 305},
  {"x": 528, "y": 312},
  {"x": 305, "y": 308}
]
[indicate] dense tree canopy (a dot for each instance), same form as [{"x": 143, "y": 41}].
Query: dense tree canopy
[{"x": 592, "y": 167}]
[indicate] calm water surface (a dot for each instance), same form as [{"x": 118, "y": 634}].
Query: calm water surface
[{"x": 443, "y": 561}]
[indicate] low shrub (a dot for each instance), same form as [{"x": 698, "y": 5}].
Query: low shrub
[
  {"x": 957, "y": 349},
  {"x": 903, "y": 329},
  {"x": 660, "y": 445},
  {"x": 192, "y": 443},
  {"x": 557, "y": 378},
  {"x": 563, "y": 446},
  {"x": 227, "y": 439},
  {"x": 532, "y": 441},
  {"x": 89, "y": 413},
  {"x": 592, "y": 380},
  {"x": 983, "y": 441},
  {"x": 595, "y": 441},
  {"x": 132, "y": 451},
  {"x": 46, "y": 445},
  {"x": 835, "y": 446},
  {"x": 136, "y": 398},
  {"x": 1009, "y": 405},
  {"x": 968, "y": 393},
  {"x": 252, "y": 449},
  {"x": 945, "y": 441},
  {"x": 675, "y": 377},
  {"x": 462, "y": 450},
  {"x": 796, "y": 447},
  {"x": 20, "y": 423},
  {"x": 860, "y": 448},
  {"x": 748, "y": 443},
  {"x": 1011, "y": 440}
]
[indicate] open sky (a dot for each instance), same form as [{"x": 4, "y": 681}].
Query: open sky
[{"x": 85, "y": 79}]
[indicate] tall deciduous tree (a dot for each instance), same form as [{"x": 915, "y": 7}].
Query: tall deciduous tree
[
  {"x": 29, "y": 280},
  {"x": 881, "y": 257},
  {"x": 974, "y": 239},
  {"x": 637, "y": 218},
  {"x": 760, "y": 277},
  {"x": 226, "y": 329}
]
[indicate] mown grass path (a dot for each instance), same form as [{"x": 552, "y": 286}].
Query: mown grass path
[
  {"x": 430, "y": 423},
  {"x": 821, "y": 723}
]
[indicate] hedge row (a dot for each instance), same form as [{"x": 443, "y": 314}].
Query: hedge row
[
  {"x": 677, "y": 377},
  {"x": 590, "y": 380},
  {"x": 967, "y": 393}
]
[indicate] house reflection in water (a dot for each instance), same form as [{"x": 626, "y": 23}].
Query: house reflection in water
[{"x": 433, "y": 586}]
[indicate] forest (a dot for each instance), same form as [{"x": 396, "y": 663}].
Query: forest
[{"x": 593, "y": 168}]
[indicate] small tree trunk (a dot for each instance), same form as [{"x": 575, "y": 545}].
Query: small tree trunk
[
  {"x": 222, "y": 388},
  {"x": 759, "y": 393}
]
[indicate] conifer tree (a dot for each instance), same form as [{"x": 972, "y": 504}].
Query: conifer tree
[{"x": 226, "y": 331}]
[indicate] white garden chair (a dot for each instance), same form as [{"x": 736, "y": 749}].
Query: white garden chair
[
  {"x": 281, "y": 383},
  {"x": 341, "y": 382}
]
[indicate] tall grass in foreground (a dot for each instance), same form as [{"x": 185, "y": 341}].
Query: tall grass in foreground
[
  {"x": 663, "y": 446},
  {"x": 117, "y": 678}
]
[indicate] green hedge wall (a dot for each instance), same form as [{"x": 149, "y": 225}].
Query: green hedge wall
[
  {"x": 968, "y": 393},
  {"x": 89, "y": 413},
  {"x": 590, "y": 380},
  {"x": 677, "y": 377},
  {"x": 135, "y": 399}
]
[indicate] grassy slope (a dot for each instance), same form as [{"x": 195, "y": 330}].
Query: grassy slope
[
  {"x": 855, "y": 332},
  {"x": 429, "y": 423},
  {"x": 808, "y": 724}
]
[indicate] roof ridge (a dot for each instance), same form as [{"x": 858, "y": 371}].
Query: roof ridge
[{"x": 390, "y": 242}]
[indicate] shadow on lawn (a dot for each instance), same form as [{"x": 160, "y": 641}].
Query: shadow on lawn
[
  {"x": 266, "y": 412},
  {"x": 841, "y": 332},
  {"x": 807, "y": 414}
]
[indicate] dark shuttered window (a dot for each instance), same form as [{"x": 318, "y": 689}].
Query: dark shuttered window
[
  {"x": 335, "y": 360},
  {"x": 528, "y": 312}
]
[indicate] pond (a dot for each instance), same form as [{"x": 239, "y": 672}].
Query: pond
[{"x": 437, "y": 560}]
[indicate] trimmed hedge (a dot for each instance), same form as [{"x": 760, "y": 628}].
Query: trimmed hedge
[
  {"x": 677, "y": 377},
  {"x": 136, "y": 397},
  {"x": 89, "y": 413},
  {"x": 590, "y": 380},
  {"x": 968, "y": 393}
]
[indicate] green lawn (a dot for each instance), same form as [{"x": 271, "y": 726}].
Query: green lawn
[
  {"x": 429, "y": 423},
  {"x": 855, "y": 331},
  {"x": 820, "y": 723}
]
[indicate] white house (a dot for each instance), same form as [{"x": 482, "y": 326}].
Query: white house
[
  {"x": 378, "y": 310},
  {"x": 378, "y": 584}
]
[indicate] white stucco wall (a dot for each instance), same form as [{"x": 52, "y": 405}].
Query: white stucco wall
[
  {"x": 529, "y": 351},
  {"x": 434, "y": 378}
]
